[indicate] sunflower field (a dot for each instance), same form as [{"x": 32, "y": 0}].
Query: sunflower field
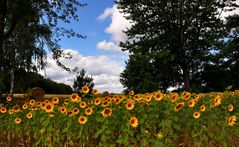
[{"x": 150, "y": 119}]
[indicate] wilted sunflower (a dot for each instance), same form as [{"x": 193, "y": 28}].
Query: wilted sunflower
[
  {"x": 129, "y": 105},
  {"x": 9, "y": 98},
  {"x": 97, "y": 101},
  {"x": 49, "y": 107},
  {"x": 231, "y": 120},
  {"x": 17, "y": 120},
  {"x": 107, "y": 112},
  {"x": 82, "y": 104},
  {"x": 85, "y": 89},
  {"x": 82, "y": 120},
  {"x": 196, "y": 114},
  {"x": 178, "y": 106},
  {"x": 133, "y": 122},
  {"x": 230, "y": 107},
  {"x": 55, "y": 100},
  {"x": 191, "y": 103},
  {"x": 88, "y": 111},
  {"x": 29, "y": 115},
  {"x": 203, "y": 108}
]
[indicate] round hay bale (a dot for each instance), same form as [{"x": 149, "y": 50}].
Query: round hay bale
[{"x": 37, "y": 92}]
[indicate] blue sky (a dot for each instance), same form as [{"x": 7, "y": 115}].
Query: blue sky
[
  {"x": 99, "y": 53},
  {"x": 89, "y": 26}
]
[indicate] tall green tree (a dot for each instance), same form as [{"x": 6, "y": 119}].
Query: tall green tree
[
  {"x": 185, "y": 29},
  {"x": 81, "y": 80},
  {"x": 28, "y": 27}
]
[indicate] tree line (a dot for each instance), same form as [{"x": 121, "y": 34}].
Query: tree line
[{"x": 185, "y": 44}]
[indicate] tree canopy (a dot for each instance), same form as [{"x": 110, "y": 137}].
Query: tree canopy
[{"x": 181, "y": 34}]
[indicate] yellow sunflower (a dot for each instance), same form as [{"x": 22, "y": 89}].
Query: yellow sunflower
[
  {"x": 82, "y": 104},
  {"x": 191, "y": 103},
  {"x": 29, "y": 115},
  {"x": 95, "y": 91},
  {"x": 88, "y": 111},
  {"x": 10, "y": 111},
  {"x": 107, "y": 112},
  {"x": 131, "y": 92},
  {"x": 104, "y": 104},
  {"x": 196, "y": 115},
  {"x": 55, "y": 100},
  {"x": 9, "y": 98},
  {"x": 3, "y": 110},
  {"x": 158, "y": 96},
  {"x": 174, "y": 96},
  {"x": 129, "y": 105},
  {"x": 97, "y": 101},
  {"x": 85, "y": 89},
  {"x": 76, "y": 111},
  {"x": 49, "y": 107},
  {"x": 133, "y": 122},
  {"x": 203, "y": 108},
  {"x": 178, "y": 106},
  {"x": 74, "y": 97},
  {"x": 231, "y": 120},
  {"x": 82, "y": 120},
  {"x": 24, "y": 106},
  {"x": 217, "y": 100},
  {"x": 230, "y": 107},
  {"x": 186, "y": 95},
  {"x": 17, "y": 120},
  {"x": 32, "y": 102}
]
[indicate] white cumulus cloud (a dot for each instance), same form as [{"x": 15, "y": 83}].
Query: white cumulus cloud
[
  {"x": 104, "y": 70},
  {"x": 108, "y": 46}
]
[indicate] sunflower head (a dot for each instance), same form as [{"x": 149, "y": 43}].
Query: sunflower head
[
  {"x": 17, "y": 120},
  {"x": 191, "y": 103},
  {"x": 9, "y": 98},
  {"x": 88, "y": 111},
  {"x": 107, "y": 112},
  {"x": 74, "y": 97},
  {"x": 85, "y": 89},
  {"x": 55, "y": 100},
  {"x": 49, "y": 107},
  {"x": 178, "y": 106},
  {"x": 82, "y": 120},
  {"x": 203, "y": 108},
  {"x": 230, "y": 107},
  {"x": 129, "y": 105},
  {"x": 133, "y": 122},
  {"x": 231, "y": 120},
  {"x": 196, "y": 115},
  {"x": 95, "y": 91},
  {"x": 82, "y": 104},
  {"x": 29, "y": 115}
]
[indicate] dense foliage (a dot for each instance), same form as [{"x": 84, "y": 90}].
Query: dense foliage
[
  {"x": 182, "y": 40},
  {"x": 150, "y": 119}
]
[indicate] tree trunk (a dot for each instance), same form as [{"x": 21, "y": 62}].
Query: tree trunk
[
  {"x": 3, "y": 4},
  {"x": 186, "y": 79},
  {"x": 12, "y": 74}
]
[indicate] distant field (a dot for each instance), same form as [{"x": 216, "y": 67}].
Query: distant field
[{"x": 19, "y": 95}]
